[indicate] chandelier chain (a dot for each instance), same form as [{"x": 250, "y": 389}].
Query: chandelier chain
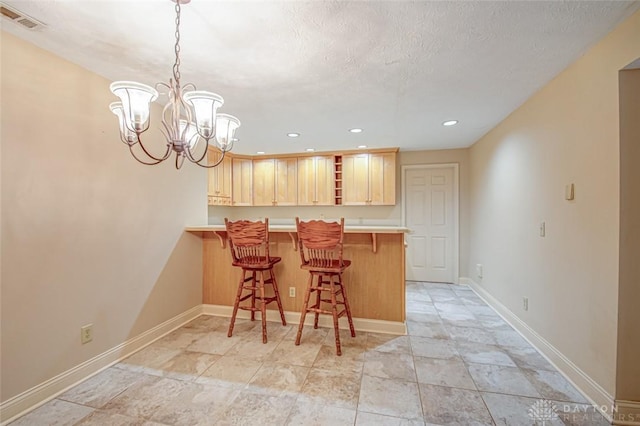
[{"x": 176, "y": 65}]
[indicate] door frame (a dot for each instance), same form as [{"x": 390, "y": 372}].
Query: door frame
[{"x": 456, "y": 208}]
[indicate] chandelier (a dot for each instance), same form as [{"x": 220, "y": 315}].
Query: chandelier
[{"x": 189, "y": 116}]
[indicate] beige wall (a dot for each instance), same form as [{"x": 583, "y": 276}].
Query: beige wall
[
  {"x": 88, "y": 234},
  {"x": 628, "y": 374},
  {"x": 566, "y": 133},
  {"x": 372, "y": 215}
]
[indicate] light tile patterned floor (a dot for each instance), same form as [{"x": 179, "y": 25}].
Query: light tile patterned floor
[{"x": 461, "y": 364}]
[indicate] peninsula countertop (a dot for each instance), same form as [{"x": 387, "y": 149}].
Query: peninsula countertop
[{"x": 348, "y": 229}]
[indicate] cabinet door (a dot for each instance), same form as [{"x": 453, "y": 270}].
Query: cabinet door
[
  {"x": 306, "y": 181},
  {"x": 224, "y": 178},
  {"x": 242, "y": 182},
  {"x": 382, "y": 179},
  {"x": 325, "y": 181},
  {"x": 212, "y": 158},
  {"x": 263, "y": 182},
  {"x": 286, "y": 181},
  {"x": 219, "y": 178},
  {"x": 355, "y": 179}
]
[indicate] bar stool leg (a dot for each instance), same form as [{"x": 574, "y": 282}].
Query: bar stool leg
[
  {"x": 274, "y": 284},
  {"x": 305, "y": 306},
  {"x": 236, "y": 304},
  {"x": 346, "y": 307},
  {"x": 318, "y": 300},
  {"x": 253, "y": 296},
  {"x": 334, "y": 311},
  {"x": 263, "y": 308}
]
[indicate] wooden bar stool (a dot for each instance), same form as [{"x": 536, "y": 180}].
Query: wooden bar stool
[
  {"x": 321, "y": 249},
  {"x": 249, "y": 245}
]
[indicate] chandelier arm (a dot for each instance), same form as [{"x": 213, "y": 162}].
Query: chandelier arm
[
  {"x": 192, "y": 158},
  {"x": 142, "y": 161},
  {"x": 126, "y": 142},
  {"x": 187, "y": 153},
  {"x": 164, "y": 157},
  {"x": 162, "y": 84},
  {"x": 211, "y": 166}
]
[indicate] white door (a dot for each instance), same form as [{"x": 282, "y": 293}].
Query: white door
[{"x": 430, "y": 210}]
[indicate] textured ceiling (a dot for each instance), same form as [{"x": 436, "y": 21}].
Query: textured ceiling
[{"x": 397, "y": 69}]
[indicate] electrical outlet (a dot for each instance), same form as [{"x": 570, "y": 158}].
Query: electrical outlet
[
  {"x": 525, "y": 303},
  {"x": 292, "y": 292},
  {"x": 86, "y": 333},
  {"x": 479, "y": 270}
]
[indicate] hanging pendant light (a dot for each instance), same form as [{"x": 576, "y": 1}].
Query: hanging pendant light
[{"x": 189, "y": 116}]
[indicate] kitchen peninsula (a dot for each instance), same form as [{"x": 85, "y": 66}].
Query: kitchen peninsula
[{"x": 375, "y": 281}]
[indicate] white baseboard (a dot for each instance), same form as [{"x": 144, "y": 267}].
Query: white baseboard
[
  {"x": 595, "y": 393},
  {"x": 627, "y": 413},
  {"x": 44, "y": 392},
  {"x": 360, "y": 324}
]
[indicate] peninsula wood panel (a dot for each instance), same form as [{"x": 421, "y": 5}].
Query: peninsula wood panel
[{"x": 374, "y": 282}]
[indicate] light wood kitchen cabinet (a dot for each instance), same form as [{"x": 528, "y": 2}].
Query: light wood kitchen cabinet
[
  {"x": 286, "y": 182},
  {"x": 275, "y": 182},
  {"x": 242, "y": 181},
  {"x": 316, "y": 181},
  {"x": 219, "y": 186},
  {"x": 369, "y": 179}
]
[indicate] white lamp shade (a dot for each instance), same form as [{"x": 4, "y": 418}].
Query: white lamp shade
[
  {"x": 226, "y": 126},
  {"x": 205, "y": 105},
  {"x": 191, "y": 136},
  {"x": 136, "y": 99},
  {"x": 126, "y": 134}
]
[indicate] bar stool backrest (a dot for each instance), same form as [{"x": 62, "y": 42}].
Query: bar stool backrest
[
  {"x": 320, "y": 243},
  {"x": 248, "y": 241}
]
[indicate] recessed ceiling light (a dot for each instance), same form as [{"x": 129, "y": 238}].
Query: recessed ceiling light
[
  {"x": 309, "y": 149},
  {"x": 260, "y": 152},
  {"x": 450, "y": 123},
  {"x": 356, "y": 130},
  {"x": 362, "y": 146},
  {"x": 293, "y": 135}
]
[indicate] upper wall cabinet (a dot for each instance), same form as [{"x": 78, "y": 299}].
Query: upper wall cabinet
[
  {"x": 275, "y": 181},
  {"x": 369, "y": 179},
  {"x": 316, "y": 181},
  {"x": 286, "y": 181},
  {"x": 341, "y": 178},
  {"x": 219, "y": 187},
  {"x": 242, "y": 186}
]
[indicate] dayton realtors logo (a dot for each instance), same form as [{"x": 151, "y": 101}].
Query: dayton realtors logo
[{"x": 543, "y": 412}]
